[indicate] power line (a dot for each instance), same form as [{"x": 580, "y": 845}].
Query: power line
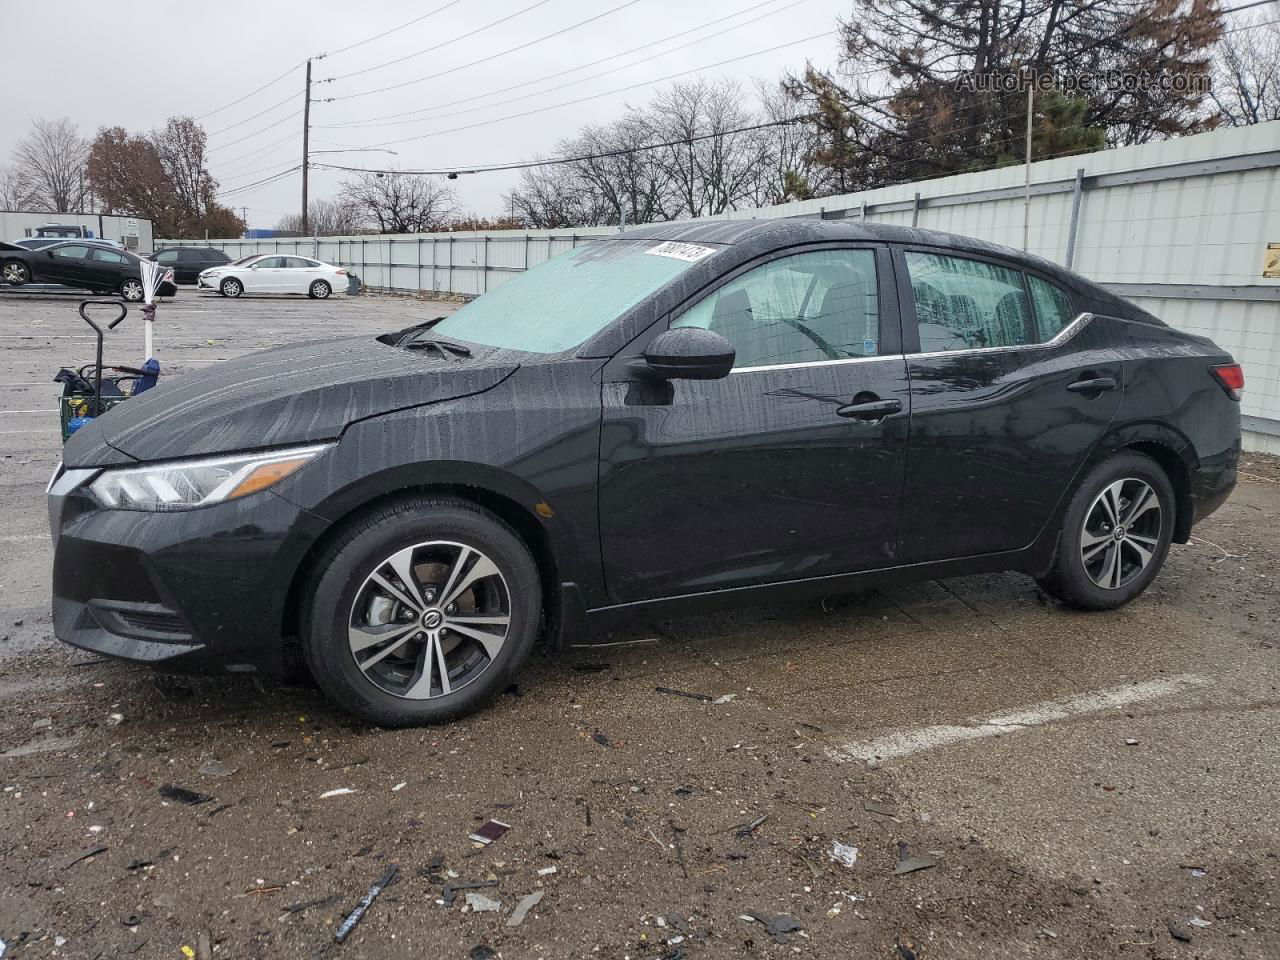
[
  {"x": 606, "y": 93},
  {"x": 250, "y": 93},
  {"x": 260, "y": 150},
  {"x": 249, "y": 136},
  {"x": 274, "y": 106},
  {"x": 265, "y": 180},
  {"x": 579, "y": 80},
  {"x": 387, "y": 33},
  {"x": 445, "y": 43},
  {"x": 550, "y": 76},
  {"x": 492, "y": 56}
]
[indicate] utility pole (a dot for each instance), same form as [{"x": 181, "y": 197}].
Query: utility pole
[
  {"x": 1026, "y": 197},
  {"x": 306, "y": 145}
]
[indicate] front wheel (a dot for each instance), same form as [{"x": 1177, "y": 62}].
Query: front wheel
[
  {"x": 1115, "y": 535},
  {"x": 319, "y": 290},
  {"x": 421, "y": 612},
  {"x": 15, "y": 272},
  {"x": 132, "y": 290},
  {"x": 231, "y": 287}
]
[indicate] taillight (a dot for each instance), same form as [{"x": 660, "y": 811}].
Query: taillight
[
  {"x": 1231, "y": 377},
  {"x": 342, "y": 273}
]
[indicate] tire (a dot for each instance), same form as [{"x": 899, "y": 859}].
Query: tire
[
  {"x": 319, "y": 290},
  {"x": 231, "y": 287},
  {"x": 358, "y": 610},
  {"x": 132, "y": 291},
  {"x": 15, "y": 272},
  {"x": 1085, "y": 573}
]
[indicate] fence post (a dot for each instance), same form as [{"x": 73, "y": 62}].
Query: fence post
[
  {"x": 484, "y": 265},
  {"x": 419, "y": 264},
  {"x": 449, "y": 279},
  {"x": 1077, "y": 194},
  {"x": 915, "y": 210}
]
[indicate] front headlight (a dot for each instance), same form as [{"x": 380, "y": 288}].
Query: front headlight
[{"x": 184, "y": 484}]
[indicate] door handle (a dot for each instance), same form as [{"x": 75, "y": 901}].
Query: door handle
[
  {"x": 871, "y": 410},
  {"x": 1092, "y": 385}
]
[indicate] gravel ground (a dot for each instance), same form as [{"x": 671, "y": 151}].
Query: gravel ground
[{"x": 1070, "y": 785}]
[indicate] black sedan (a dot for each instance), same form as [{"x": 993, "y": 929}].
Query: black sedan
[
  {"x": 684, "y": 415},
  {"x": 189, "y": 262},
  {"x": 82, "y": 264}
]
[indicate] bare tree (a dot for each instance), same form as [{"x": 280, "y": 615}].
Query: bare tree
[
  {"x": 50, "y": 163},
  {"x": 1246, "y": 75},
  {"x": 400, "y": 202},
  {"x": 15, "y": 193},
  {"x": 180, "y": 146},
  {"x": 325, "y": 218},
  {"x": 790, "y": 170}
]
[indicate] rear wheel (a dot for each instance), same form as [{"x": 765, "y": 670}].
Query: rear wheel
[
  {"x": 1115, "y": 535},
  {"x": 15, "y": 272},
  {"x": 421, "y": 612},
  {"x": 319, "y": 290},
  {"x": 132, "y": 290},
  {"x": 231, "y": 287}
]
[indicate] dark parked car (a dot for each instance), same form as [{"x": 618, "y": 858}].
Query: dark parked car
[
  {"x": 188, "y": 262},
  {"x": 680, "y": 416},
  {"x": 83, "y": 264}
]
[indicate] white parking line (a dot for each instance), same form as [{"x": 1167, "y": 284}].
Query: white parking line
[{"x": 903, "y": 743}]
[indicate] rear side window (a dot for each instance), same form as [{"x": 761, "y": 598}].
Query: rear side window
[
  {"x": 1053, "y": 307},
  {"x": 107, "y": 256},
  {"x": 298, "y": 263},
  {"x": 964, "y": 304},
  {"x": 806, "y": 308}
]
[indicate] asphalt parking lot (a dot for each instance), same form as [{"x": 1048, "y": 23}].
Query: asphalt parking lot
[{"x": 1018, "y": 780}]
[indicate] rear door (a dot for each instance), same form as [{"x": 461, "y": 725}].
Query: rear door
[
  {"x": 1009, "y": 393},
  {"x": 788, "y": 468},
  {"x": 299, "y": 272},
  {"x": 108, "y": 267}
]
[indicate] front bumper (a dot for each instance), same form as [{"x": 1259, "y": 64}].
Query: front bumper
[{"x": 188, "y": 591}]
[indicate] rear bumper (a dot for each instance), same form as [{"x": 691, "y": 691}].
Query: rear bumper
[
  {"x": 197, "y": 590},
  {"x": 1213, "y": 482}
]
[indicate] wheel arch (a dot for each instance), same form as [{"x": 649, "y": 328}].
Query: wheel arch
[
  {"x": 504, "y": 503},
  {"x": 1173, "y": 452}
]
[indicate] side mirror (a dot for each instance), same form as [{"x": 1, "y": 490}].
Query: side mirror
[{"x": 689, "y": 353}]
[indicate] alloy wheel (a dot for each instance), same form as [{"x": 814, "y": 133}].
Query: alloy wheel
[
  {"x": 15, "y": 273},
  {"x": 131, "y": 290},
  {"x": 429, "y": 619},
  {"x": 1121, "y": 533},
  {"x": 319, "y": 289}
]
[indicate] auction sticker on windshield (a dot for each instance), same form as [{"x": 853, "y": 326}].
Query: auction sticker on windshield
[{"x": 690, "y": 252}]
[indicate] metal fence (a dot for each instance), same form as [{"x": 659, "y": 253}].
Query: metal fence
[{"x": 1179, "y": 227}]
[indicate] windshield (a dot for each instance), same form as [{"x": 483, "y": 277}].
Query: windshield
[{"x": 561, "y": 303}]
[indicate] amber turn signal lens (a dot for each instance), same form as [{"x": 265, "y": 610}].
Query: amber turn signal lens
[{"x": 265, "y": 476}]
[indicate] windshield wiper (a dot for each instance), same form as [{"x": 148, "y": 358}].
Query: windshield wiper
[{"x": 446, "y": 347}]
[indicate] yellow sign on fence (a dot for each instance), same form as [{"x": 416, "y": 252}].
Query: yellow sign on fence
[{"x": 1271, "y": 262}]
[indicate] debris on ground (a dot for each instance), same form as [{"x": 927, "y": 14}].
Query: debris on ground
[
  {"x": 1200, "y": 922},
  {"x": 880, "y": 809},
  {"x": 450, "y": 892},
  {"x": 172, "y": 791},
  {"x": 339, "y": 792},
  {"x": 601, "y": 739},
  {"x": 912, "y": 864},
  {"x": 354, "y": 916},
  {"x": 705, "y": 697},
  {"x": 490, "y": 831},
  {"x": 215, "y": 768},
  {"x": 44, "y": 723},
  {"x": 546, "y": 871},
  {"x": 744, "y": 830},
  {"x": 115, "y": 719},
  {"x": 1177, "y": 932},
  {"x": 479, "y": 903},
  {"x": 905, "y": 952},
  {"x": 725, "y": 698},
  {"x": 482, "y": 952},
  {"x": 309, "y": 904},
  {"x": 843, "y": 853},
  {"x": 84, "y": 854},
  {"x": 523, "y": 907},
  {"x": 776, "y": 926}
]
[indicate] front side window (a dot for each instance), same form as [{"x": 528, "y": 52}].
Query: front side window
[
  {"x": 964, "y": 304},
  {"x": 805, "y": 308},
  {"x": 168, "y": 257},
  {"x": 269, "y": 263},
  {"x": 71, "y": 252},
  {"x": 560, "y": 304},
  {"x": 1053, "y": 307}
]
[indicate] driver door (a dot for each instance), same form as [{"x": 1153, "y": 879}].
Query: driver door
[
  {"x": 790, "y": 467},
  {"x": 265, "y": 275}
]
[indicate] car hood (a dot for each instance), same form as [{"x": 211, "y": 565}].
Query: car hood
[{"x": 298, "y": 394}]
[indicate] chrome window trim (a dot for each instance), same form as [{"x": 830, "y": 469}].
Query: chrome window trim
[
  {"x": 815, "y": 363},
  {"x": 1061, "y": 337}
]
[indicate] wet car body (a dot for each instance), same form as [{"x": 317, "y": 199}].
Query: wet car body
[{"x": 638, "y": 495}]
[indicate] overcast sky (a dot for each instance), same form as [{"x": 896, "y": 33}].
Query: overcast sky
[{"x": 112, "y": 64}]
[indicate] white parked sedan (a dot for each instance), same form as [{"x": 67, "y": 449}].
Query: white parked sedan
[{"x": 271, "y": 273}]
